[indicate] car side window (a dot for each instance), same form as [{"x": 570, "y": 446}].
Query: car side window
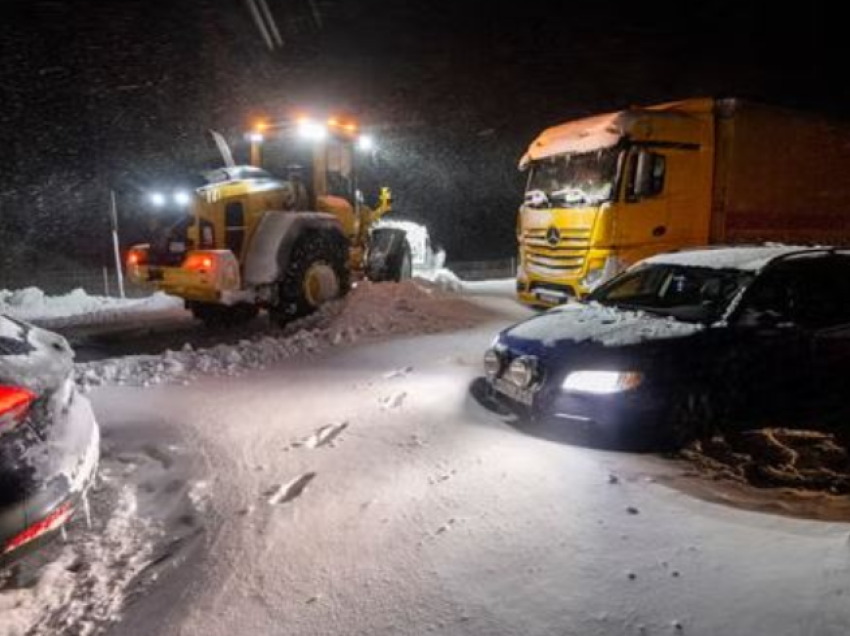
[
  {"x": 768, "y": 299},
  {"x": 810, "y": 292},
  {"x": 821, "y": 293}
]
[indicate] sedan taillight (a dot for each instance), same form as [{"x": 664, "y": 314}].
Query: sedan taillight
[
  {"x": 50, "y": 523},
  {"x": 15, "y": 403}
]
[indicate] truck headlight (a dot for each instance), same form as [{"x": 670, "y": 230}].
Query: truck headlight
[
  {"x": 601, "y": 269},
  {"x": 602, "y": 382}
]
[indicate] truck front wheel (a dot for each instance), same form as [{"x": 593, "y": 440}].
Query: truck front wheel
[{"x": 317, "y": 273}]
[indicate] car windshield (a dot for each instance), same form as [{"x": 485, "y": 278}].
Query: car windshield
[
  {"x": 690, "y": 294},
  {"x": 573, "y": 180}
]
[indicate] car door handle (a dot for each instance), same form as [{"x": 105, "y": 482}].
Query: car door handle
[{"x": 661, "y": 230}]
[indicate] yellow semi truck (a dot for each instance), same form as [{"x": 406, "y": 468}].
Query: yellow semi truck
[{"x": 606, "y": 191}]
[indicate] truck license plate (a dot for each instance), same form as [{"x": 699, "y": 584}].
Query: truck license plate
[
  {"x": 555, "y": 299},
  {"x": 523, "y": 396}
]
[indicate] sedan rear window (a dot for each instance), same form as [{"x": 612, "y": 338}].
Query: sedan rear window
[{"x": 691, "y": 294}]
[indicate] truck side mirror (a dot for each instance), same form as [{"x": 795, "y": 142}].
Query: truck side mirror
[{"x": 647, "y": 175}]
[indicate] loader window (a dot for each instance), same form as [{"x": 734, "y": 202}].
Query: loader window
[
  {"x": 234, "y": 227},
  {"x": 340, "y": 170}
]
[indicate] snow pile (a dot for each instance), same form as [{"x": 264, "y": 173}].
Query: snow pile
[
  {"x": 32, "y": 304},
  {"x": 444, "y": 279},
  {"x": 776, "y": 458},
  {"x": 608, "y": 326},
  {"x": 370, "y": 310}
]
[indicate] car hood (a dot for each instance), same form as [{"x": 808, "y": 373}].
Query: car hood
[
  {"x": 593, "y": 323},
  {"x": 33, "y": 358}
]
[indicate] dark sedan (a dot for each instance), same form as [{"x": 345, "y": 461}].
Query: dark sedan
[
  {"x": 49, "y": 440},
  {"x": 687, "y": 342}
]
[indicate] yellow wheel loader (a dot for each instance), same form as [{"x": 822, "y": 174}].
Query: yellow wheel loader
[{"x": 249, "y": 241}]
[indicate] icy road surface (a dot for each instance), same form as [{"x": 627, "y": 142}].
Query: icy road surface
[{"x": 361, "y": 490}]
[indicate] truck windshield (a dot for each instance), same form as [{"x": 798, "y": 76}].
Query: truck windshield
[
  {"x": 573, "y": 180},
  {"x": 690, "y": 294}
]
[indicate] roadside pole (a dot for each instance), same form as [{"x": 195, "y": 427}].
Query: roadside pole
[{"x": 113, "y": 217}]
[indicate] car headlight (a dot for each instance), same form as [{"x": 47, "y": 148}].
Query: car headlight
[
  {"x": 521, "y": 372},
  {"x": 602, "y": 382},
  {"x": 492, "y": 363}
]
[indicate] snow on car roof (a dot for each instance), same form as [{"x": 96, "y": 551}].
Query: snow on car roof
[{"x": 751, "y": 258}]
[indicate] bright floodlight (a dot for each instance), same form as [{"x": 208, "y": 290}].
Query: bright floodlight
[
  {"x": 312, "y": 130},
  {"x": 256, "y": 138},
  {"x": 365, "y": 143},
  {"x": 182, "y": 198},
  {"x": 157, "y": 199}
]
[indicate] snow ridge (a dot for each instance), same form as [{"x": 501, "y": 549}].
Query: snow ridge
[{"x": 370, "y": 310}]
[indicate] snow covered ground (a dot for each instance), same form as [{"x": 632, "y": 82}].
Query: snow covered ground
[
  {"x": 33, "y": 305},
  {"x": 346, "y": 482}
]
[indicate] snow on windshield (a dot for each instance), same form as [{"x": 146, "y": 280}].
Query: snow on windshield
[{"x": 571, "y": 180}]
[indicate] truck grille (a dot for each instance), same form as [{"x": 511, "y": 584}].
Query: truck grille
[{"x": 567, "y": 256}]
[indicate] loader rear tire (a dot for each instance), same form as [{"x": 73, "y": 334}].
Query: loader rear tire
[{"x": 317, "y": 273}]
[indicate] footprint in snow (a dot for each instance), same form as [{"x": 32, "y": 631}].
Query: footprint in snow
[
  {"x": 291, "y": 490},
  {"x": 323, "y": 436},
  {"x": 393, "y": 401},
  {"x": 398, "y": 373}
]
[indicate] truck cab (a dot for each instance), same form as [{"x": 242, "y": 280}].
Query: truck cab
[{"x": 607, "y": 191}]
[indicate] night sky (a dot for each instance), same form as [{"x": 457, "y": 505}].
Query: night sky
[{"x": 97, "y": 95}]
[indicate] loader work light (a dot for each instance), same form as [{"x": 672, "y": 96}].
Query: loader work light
[
  {"x": 365, "y": 143},
  {"x": 157, "y": 199},
  {"x": 312, "y": 130},
  {"x": 182, "y": 198}
]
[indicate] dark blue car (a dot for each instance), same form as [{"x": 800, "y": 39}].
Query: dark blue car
[{"x": 685, "y": 343}]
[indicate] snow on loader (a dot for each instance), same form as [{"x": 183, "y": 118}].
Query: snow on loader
[{"x": 249, "y": 241}]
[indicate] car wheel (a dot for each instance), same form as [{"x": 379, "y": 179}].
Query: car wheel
[{"x": 691, "y": 417}]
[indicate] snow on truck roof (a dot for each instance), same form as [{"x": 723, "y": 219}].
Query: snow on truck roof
[
  {"x": 603, "y": 131},
  {"x": 750, "y": 258},
  {"x": 584, "y": 135}
]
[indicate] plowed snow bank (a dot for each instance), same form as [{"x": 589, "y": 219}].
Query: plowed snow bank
[
  {"x": 369, "y": 311},
  {"x": 33, "y": 304}
]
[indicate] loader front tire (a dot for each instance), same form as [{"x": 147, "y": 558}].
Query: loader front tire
[
  {"x": 316, "y": 274},
  {"x": 390, "y": 258}
]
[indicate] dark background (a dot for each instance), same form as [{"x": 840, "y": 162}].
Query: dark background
[{"x": 97, "y": 95}]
